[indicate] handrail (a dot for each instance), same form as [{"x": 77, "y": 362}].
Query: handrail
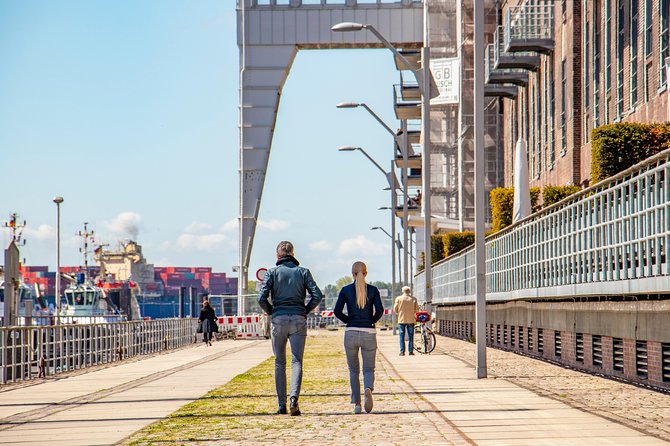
[
  {"x": 29, "y": 352},
  {"x": 597, "y": 241}
]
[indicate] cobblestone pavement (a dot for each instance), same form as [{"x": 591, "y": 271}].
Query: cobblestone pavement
[
  {"x": 400, "y": 416},
  {"x": 642, "y": 409},
  {"x": 242, "y": 413}
]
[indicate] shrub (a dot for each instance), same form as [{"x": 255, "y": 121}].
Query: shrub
[
  {"x": 616, "y": 147},
  {"x": 457, "y": 241},
  {"x": 554, "y": 194},
  {"x": 436, "y": 248},
  {"x": 502, "y": 205}
]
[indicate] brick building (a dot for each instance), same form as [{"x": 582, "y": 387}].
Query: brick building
[{"x": 599, "y": 62}]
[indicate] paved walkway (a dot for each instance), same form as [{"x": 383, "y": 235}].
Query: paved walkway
[
  {"x": 499, "y": 412},
  {"x": 107, "y": 405}
]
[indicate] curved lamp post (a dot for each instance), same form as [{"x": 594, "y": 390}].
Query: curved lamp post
[
  {"x": 393, "y": 182},
  {"x": 427, "y": 90},
  {"x": 403, "y": 147}
]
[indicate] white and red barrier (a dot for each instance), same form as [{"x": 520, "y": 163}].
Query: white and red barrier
[{"x": 246, "y": 327}]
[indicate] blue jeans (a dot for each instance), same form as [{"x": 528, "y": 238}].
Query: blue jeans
[
  {"x": 409, "y": 328},
  {"x": 294, "y": 330},
  {"x": 367, "y": 344}
]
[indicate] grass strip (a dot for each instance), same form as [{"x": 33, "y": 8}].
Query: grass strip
[{"x": 245, "y": 406}]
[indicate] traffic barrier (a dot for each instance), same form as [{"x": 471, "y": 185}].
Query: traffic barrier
[{"x": 246, "y": 327}]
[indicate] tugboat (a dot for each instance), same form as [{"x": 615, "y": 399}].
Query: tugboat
[{"x": 101, "y": 300}]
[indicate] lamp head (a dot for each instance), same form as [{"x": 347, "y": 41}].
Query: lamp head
[
  {"x": 348, "y": 149},
  {"x": 348, "y": 105},
  {"x": 58, "y": 200},
  {"x": 374, "y": 227},
  {"x": 347, "y": 26}
]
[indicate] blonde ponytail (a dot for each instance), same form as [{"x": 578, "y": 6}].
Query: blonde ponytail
[{"x": 359, "y": 271}]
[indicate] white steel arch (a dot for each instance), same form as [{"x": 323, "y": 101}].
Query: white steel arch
[{"x": 270, "y": 33}]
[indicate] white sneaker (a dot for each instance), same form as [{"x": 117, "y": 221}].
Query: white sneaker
[
  {"x": 357, "y": 409},
  {"x": 368, "y": 400}
]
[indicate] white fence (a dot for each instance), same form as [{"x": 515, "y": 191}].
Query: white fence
[
  {"x": 609, "y": 239},
  {"x": 40, "y": 351}
]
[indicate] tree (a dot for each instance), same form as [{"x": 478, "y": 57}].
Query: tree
[
  {"x": 329, "y": 296},
  {"x": 342, "y": 282}
]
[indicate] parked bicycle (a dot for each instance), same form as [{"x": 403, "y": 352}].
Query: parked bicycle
[{"x": 424, "y": 338}]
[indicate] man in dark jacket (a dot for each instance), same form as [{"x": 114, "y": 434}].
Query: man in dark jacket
[{"x": 287, "y": 284}]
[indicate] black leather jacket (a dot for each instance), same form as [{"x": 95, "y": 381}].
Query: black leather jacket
[{"x": 287, "y": 284}]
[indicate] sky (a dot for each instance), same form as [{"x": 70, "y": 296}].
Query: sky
[{"x": 129, "y": 111}]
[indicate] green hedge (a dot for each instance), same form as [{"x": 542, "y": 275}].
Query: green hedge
[
  {"x": 616, "y": 147},
  {"x": 457, "y": 241},
  {"x": 436, "y": 248},
  {"x": 502, "y": 205},
  {"x": 554, "y": 194}
]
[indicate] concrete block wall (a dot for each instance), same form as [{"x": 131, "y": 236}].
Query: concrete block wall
[{"x": 535, "y": 321}]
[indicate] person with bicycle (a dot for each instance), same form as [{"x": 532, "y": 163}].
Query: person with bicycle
[
  {"x": 364, "y": 309},
  {"x": 406, "y": 306}
]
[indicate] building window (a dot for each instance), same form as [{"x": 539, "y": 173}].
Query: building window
[
  {"x": 608, "y": 45},
  {"x": 596, "y": 63},
  {"x": 663, "y": 13},
  {"x": 634, "y": 29},
  {"x": 649, "y": 28},
  {"x": 564, "y": 107},
  {"x": 552, "y": 109},
  {"x": 647, "y": 80},
  {"x": 544, "y": 113},
  {"x": 586, "y": 64},
  {"x": 620, "y": 55}
]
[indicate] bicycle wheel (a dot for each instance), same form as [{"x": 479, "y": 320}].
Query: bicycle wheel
[{"x": 430, "y": 342}]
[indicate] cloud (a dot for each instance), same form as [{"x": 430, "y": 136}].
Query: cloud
[
  {"x": 201, "y": 242},
  {"x": 126, "y": 223},
  {"x": 43, "y": 232},
  {"x": 361, "y": 246},
  {"x": 196, "y": 227},
  {"x": 273, "y": 225},
  {"x": 200, "y": 237},
  {"x": 321, "y": 245},
  {"x": 230, "y": 225}
]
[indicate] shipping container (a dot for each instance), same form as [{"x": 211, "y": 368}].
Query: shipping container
[
  {"x": 182, "y": 269},
  {"x": 201, "y": 269},
  {"x": 36, "y": 268}
]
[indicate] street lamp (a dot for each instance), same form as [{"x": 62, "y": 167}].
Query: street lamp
[
  {"x": 395, "y": 243},
  {"x": 480, "y": 194},
  {"x": 58, "y": 201},
  {"x": 392, "y": 181},
  {"x": 403, "y": 147},
  {"x": 427, "y": 89}
]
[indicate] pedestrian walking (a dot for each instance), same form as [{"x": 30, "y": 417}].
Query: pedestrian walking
[
  {"x": 364, "y": 308},
  {"x": 405, "y": 307},
  {"x": 287, "y": 284},
  {"x": 207, "y": 322}
]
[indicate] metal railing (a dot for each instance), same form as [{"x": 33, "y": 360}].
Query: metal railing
[
  {"x": 532, "y": 20},
  {"x": 40, "y": 351},
  {"x": 609, "y": 239},
  {"x": 316, "y": 3}
]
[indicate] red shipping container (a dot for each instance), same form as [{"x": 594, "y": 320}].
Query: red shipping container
[
  {"x": 202, "y": 269},
  {"x": 182, "y": 269}
]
